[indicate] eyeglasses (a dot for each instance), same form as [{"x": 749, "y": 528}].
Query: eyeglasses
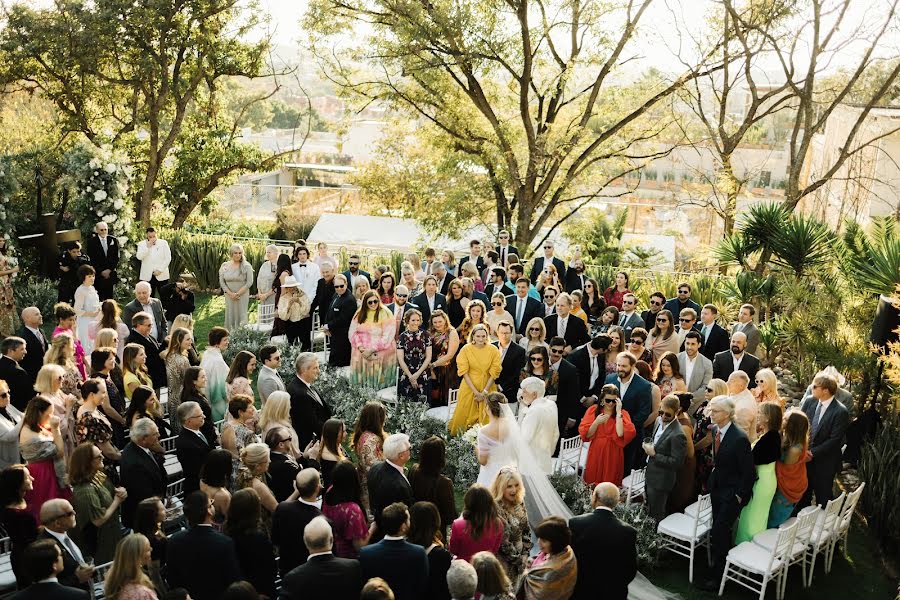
[
  {"x": 70, "y": 513},
  {"x": 534, "y": 329},
  {"x": 683, "y": 320},
  {"x": 372, "y": 302},
  {"x": 663, "y": 413},
  {"x": 537, "y": 359},
  {"x": 548, "y": 297},
  {"x": 610, "y": 400},
  {"x": 353, "y": 264},
  {"x": 757, "y": 381},
  {"x": 662, "y": 320},
  {"x": 200, "y": 416},
  {"x": 286, "y": 440},
  {"x": 637, "y": 342},
  {"x": 556, "y": 350},
  {"x": 655, "y": 303},
  {"x": 338, "y": 286}
]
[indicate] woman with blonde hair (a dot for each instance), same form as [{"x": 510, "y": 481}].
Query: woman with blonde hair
[
  {"x": 478, "y": 363},
  {"x": 252, "y": 473},
  {"x": 534, "y": 335},
  {"x": 468, "y": 269},
  {"x": 109, "y": 318},
  {"x": 449, "y": 260},
  {"x": 126, "y": 579},
  {"x": 498, "y": 313},
  {"x": 577, "y": 310},
  {"x": 62, "y": 353},
  {"x": 276, "y": 412},
  {"x": 475, "y": 313},
  {"x": 359, "y": 290},
  {"x": 134, "y": 369},
  {"x": 457, "y": 301},
  {"x": 410, "y": 278},
  {"x": 766, "y": 389},
  {"x": 187, "y": 321},
  {"x": 508, "y": 491},
  {"x": 177, "y": 364},
  {"x": 373, "y": 359},
  {"x": 236, "y": 279},
  {"x": 548, "y": 278},
  {"x": 49, "y": 385}
]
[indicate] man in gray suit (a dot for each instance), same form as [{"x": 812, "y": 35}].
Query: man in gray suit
[
  {"x": 828, "y": 421},
  {"x": 746, "y": 326},
  {"x": 269, "y": 380},
  {"x": 152, "y": 306},
  {"x": 666, "y": 455},
  {"x": 629, "y": 318},
  {"x": 695, "y": 368}
]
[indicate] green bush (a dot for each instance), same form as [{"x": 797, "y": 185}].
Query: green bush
[
  {"x": 203, "y": 255},
  {"x": 255, "y": 254},
  {"x": 878, "y": 468},
  {"x": 41, "y": 293}
]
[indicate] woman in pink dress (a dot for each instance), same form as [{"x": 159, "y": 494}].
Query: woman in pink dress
[
  {"x": 126, "y": 579},
  {"x": 479, "y": 528},
  {"x": 373, "y": 359},
  {"x": 66, "y": 318},
  {"x": 342, "y": 504},
  {"x": 41, "y": 444}
]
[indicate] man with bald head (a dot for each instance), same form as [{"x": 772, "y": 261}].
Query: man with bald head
[
  {"x": 291, "y": 518},
  {"x": 103, "y": 250},
  {"x": 324, "y": 576},
  {"x": 599, "y": 538},
  {"x": 152, "y": 306},
  {"x": 736, "y": 359},
  {"x": 58, "y": 518},
  {"x": 35, "y": 342}
]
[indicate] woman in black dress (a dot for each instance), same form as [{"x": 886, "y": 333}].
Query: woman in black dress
[
  {"x": 282, "y": 271},
  {"x": 19, "y": 524},
  {"x": 424, "y": 521},
  {"x": 414, "y": 358},
  {"x": 255, "y": 552}
]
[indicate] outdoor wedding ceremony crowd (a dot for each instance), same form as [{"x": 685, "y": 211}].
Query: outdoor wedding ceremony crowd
[{"x": 136, "y": 468}]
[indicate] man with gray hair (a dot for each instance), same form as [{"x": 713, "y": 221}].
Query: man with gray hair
[
  {"x": 323, "y": 576},
  {"x": 538, "y": 420},
  {"x": 103, "y": 250},
  {"x": 387, "y": 478},
  {"x": 21, "y": 387},
  {"x": 746, "y": 407},
  {"x": 58, "y": 518},
  {"x": 600, "y": 538},
  {"x": 143, "y": 302},
  {"x": 462, "y": 580},
  {"x": 142, "y": 471},
  {"x": 336, "y": 321},
  {"x": 142, "y": 334},
  {"x": 191, "y": 445},
  {"x": 309, "y": 411}
]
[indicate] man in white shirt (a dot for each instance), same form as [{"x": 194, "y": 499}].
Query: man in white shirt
[
  {"x": 695, "y": 368},
  {"x": 58, "y": 518},
  {"x": 307, "y": 274},
  {"x": 538, "y": 419},
  {"x": 155, "y": 257},
  {"x": 686, "y": 320},
  {"x": 745, "y": 405}
]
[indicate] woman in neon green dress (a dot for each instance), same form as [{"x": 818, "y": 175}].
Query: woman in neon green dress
[{"x": 766, "y": 451}]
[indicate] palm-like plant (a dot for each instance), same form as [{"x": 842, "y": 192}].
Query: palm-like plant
[
  {"x": 733, "y": 250},
  {"x": 761, "y": 224},
  {"x": 801, "y": 243},
  {"x": 872, "y": 260}
]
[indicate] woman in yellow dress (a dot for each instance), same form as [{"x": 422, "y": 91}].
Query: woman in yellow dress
[{"x": 478, "y": 363}]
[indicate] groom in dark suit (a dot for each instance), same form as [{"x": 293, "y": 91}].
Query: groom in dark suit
[
  {"x": 512, "y": 361},
  {"x": 828, "y": 420},
  {"x": 35, "y": 342},
  {"x": 308, "y": 410},
  {"x": 103, "y": 250}
]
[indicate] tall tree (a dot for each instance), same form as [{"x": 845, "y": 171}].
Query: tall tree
[{"x": 535, "y": 94}]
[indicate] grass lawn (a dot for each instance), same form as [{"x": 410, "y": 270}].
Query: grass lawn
[{"x": 209, "y": 312}]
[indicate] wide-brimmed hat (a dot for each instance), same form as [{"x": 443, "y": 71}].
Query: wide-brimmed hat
[{"x": 289, "y": 281}]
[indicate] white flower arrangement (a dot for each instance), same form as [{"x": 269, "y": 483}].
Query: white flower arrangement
[{"x": 471, "y": 435}]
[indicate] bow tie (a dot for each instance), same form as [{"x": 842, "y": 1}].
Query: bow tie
[{"x": 301, "y": 264}]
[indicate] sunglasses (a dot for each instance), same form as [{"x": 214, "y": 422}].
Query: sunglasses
[
  {"x": 663, "y": 413},
  {"x": 534, "y": 329},
  {"x": 286, "y": 440},
  {"x": 549, "y": 297},
  {"x": 710, "y": 390},
  {"x": 683, "y": 320},
  {"x": 556, "y": 350},
  {"x": 637, "y": 342},
  {"x": 588, "y": 287},
  {"x": 548, "y": 247},
  {"x": 662, "y": 320},
  {"x": 610, "y": 400},
  {"x": 652, "y": 303},
  {"x": 372, "y": 302},
  {"x": 537, "y": 359},
  {"x": 4, "y": 395},
  {"x": 354, "y": 264},
  {"x": 757, "y": 381},
  {"x": 496, "y": 304},
  {"x": 402, "y": 295},
  {"x": 627, "y": 301},
  {"x": 339, "y": 286}
]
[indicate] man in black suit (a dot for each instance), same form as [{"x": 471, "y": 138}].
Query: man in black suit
[
  {"x": 44, "y": 561},
  {"x": 429, "y": 300},
  {"x": 35, "y": 342},
  {"x": 657, "y": 300},
  {"x": 201, "y": 560},
  {"x": 538, "y": 264},
  {"x": 575, "y": 277},
  {"x": 523, "y": 307},
  {"x": 590, "y": 362},
  {"x": 354, "y": 272},
  {"x": 474, "y": 256},
  {"x": 323, "y": 576},
  {"x": 568, "y": 394},
  {"x": 512, "y": 361},
  {"x": 681, "y": 301},
  {"x": 404, "y": 566},
  {"x": 564, "y": 325},
  {"x": 498, "y": 283},
  {"x": 715, "y": 338},
  {"x": 140, "y": 334},
  {"x": 828, "y": 421},
  {"x": 324, "y": 291},
  {"x": 58, "y": 518},
  {"x": 504, "y": 248},
  {"x": 727, "y": 362},
  {"x": 599, "y": 538},
  {"x": 191, "y": 446},
  {"x": 441, "y": 277},
  {"x": 21, "y": 388},
  {"x": 142, "y": 472},
  {"x": 336, "y": 322},
  {"x": 730, "y": 483},
  {"x": 387, "y": 479},
  {"x": 103, "y": 250},
  {"x": 309, "y": 411},
  {"x": 283, "y": 467},
  {"x": 292, "y": 516}
]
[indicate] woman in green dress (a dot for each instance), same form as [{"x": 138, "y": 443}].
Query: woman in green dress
[
  {"x": 766, "y": 451},
  {"x": 98, "y": 527}
]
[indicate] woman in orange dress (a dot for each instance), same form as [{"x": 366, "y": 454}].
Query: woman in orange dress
[{"x": 608, "y": 427}]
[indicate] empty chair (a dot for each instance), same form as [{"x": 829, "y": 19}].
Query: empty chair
[
  {"x": 7, "y": 577},
  {"x": 265, "y": 318},
  {"x": 823, "y": 533},
  {"x": 806, "y": 522},
  {"x": 683, "y": 534},
  {"x": 842, "y": 531},
  {"x": 753, "y": 566},
  {"x": 633, "y": 485},
  {"x": 569, "y": 454}
]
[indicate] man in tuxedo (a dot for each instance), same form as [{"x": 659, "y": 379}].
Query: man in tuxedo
[
  {"x": 475, "y": 256},
  {"x": 429, "y": 300},
  {"x": 292, "y": 516},
  {"x": 21, "y": 388},
  {"x": 682, "y": 300},
  {"x": 498, "y": 283},
  {"x": 141, "y": 325},
  {"x": 142, "y": 473},
  {"x": 387, "y": 479},
  {"x": 353, "y": 272},
  {"x": 309, "y": 411},
  {"x": 745, "y": 325},
  {"x": 324, "y": 290},
  {"x": 828, "y": 420},
  {"x": 568, "y": 394},
  {"x": 512, "y": 361},
  {"x": 538, "y": 264},
  {"x": 336, "y": 322},
  {"x": 191, "y": 446},
  {"x": 58, "y": 518},
  {"x": 575, "y": 277},
  {"x": 737, "y": 359},
  {"x": 590, "y": 362},
  {"x": 35, "y": 342},
  {"x": 599, "y": 538},
  {"x": 523, "y": 307},
  {"x": 628, "y": 317},
  {"x": 269, "y": 380},
  {"x": 103, "y": 250},
  {"x": 201, "y": 560},
  {"x": 44, "y": 561},
  {"x": 665, "y": 455},
  {"x": 441, "y": 278},
  {"x": 144, "y": 302},
  {"x": 714, "y": 337},
  {"x": 730, "y": 484},
  {"x": 695, "y": 368},
  {"x": 504, "y": 248},
  {"x": 564, "y": 325},
  {"x": 283, "y": 467},
  {"x": 657, "y": 300},
  {"x": 404, "y": 566},
  {"x": 323, "y": 576},
  {"x": 637, "y": 399}
]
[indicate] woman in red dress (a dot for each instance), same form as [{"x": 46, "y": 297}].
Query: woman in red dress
[
  {"x": 614, "y": 294},
  {"x": 608, "y": 432}
]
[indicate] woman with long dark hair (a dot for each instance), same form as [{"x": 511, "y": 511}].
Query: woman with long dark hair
[
  {"x": 479, "y": 527},
  {"x": 239, "y": 375},
  {"x": 342, "y": 504},
  {"x": 177, "y": 364},
  {"x": 368, "y": 438},
  {"x": 18, "y": 522},
  {"x": 429, "y": 484},
  {"x": 98, "y": 526},
  {"x": 537, "y": 364},
  {"x": 282, "y": 271},
  {"x": 41, "y": 444},
  {"x": 110, "y": 318},
  {"x": 424, "y": 530},
  {"x": 790, "y": 470},
  {"x": 373, "y": 361},
  {"x": 662, "y": 338},
  {"x": 608, "y": 427},
  {"x": 668, "y": 375},
  {"x": 215, "y": 482},
  {"x": 592, "y": 301},
  {"x": 616, "y": 292},
  {"x": 144, "y": 403},
  {"x": 103, "y": 365},
  {"x": 332, "y": 451},
  {"x": 255, "y": 552}
]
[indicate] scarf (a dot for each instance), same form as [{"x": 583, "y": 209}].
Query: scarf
[{"x": 553, "y": 578}]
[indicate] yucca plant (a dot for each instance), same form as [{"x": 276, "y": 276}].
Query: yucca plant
[
  {"x": 770, "y": 340},
  {"x": 878, "y": 468},
  {"x": 255, "y": 254},
  {"x": 203, "y": 255},
  {"x": 802, "y": 243},
  {"x": 733, "y": 250},
  {"x": 871, "y": 260},
  {"x": 742, "y": 288},
  {"x": 761, "y": 224}
]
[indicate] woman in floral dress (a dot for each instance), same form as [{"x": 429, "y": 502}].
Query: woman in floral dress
[
  {"x": 368, "y": 438},
  {"x": 373, "y": 362},
  {"x": 92, "y": 426},
  {"x": 9, "y": 266},
  {"x": 668, "y": 375},
  {"x": 444, "y": 346},
  {"x": 414, "y": 357},
  {"x": 509, "y": 493}
]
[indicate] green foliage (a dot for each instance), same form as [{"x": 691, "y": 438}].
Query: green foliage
[
  {"x": 642, "y": 257},
  {"x": 8, "y": 187},
  {"x": 878, "y": 468},
  {"x": 217, "y": 222},
  {"x": 600, "y": 236},
  {"x": 203, "y": 255},
  {"x": 41, "y": 293},
  {"x": 648, "y": 543},
  {"x": 573, "y": 491},
  {"x": 245, "y": 338},
  {"x": 872, "y": 259},
  {"x": 802, "y": 243},
  {"x": 255, "y": 254}
]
